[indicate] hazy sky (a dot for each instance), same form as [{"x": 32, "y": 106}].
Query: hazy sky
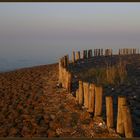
[{"x": 42, "y": 32}]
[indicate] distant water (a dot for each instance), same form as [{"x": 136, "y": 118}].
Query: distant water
[{"x": 21, "y": 57}]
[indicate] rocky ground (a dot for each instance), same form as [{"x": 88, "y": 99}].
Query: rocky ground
[{"x": 31, "y": 105}]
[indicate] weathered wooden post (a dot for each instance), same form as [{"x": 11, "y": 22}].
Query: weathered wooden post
[
  {"x": 98, "y": 100},
  {"x": 86, "y": 54},
  {"x": 69, "y": 86},
  {"x": 119, "y": 51},
  {"x": 91, "y": 105},
  {"x": 60, "y": 71},
  {"x": 86, "y": 94},
  {"x": 120, "y": 126},
  {"x": 81, "y": 93},
  {"x": 66, "y": 60},
  {"x": 127, "y": 120},
  {"x": 83, "y": 56},
  {"x": 89, "y": 53},
  {"x": 109, "y": 111},
  {"x": 98, "y": 52},
  {"x": 78, "y": 55},
  {"x": 105, "y": 52},
  {"x": 73, "y": 57},
  {"x": 77, "y": 95},
  {"x": 65, "y": 78},
  {"x": 101, "y": 52},
  {"x": 94, "y": 52}
]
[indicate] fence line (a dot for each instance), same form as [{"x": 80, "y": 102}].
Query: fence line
[{"x": 90, "y": 95}]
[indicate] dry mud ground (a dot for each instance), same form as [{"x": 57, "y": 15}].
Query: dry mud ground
[{"x": 31, "y": 105}]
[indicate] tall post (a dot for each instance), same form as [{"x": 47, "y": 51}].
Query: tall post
[
  {"x": 86, "y": 94},
  {"x": 91, "y": 105},
  {"x": 127, "y": 120},
  {"x": 81, "y": 93},
  {"x": 98, "y": 100},
  {"x": 109, "y": 111},
  {"x": 120, "y": 126}
]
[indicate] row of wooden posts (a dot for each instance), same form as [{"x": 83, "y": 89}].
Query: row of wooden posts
[
  {"x": 100, "y": 52},
  {"x": 65, "y": 75},
  {"x": 91, "y": 95},
  {"x": 126, "y": 51}
]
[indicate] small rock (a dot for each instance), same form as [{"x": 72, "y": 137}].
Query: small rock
[
  {"x": 59, "y": 85},
  {"x": 52, "y": 117}
]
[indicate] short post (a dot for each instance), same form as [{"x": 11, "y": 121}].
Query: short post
[
  {"x": 98, "y": 100},
  {"x": 127, "y": 120},
  {"x": 66, "y": 60},
  {"x": 78, "y": 55},
  {"x": 73, "y": 57},
  {"x": 109, "y": 111},
  {"x": 85, "y": 54},
  {"x": 86, "y": 93},
  {"x": 120, "y": 126},
  {"x": 91, "y": 105},
  {"x": 101, "y": 52},
  {"x": 81, "y": 93}
]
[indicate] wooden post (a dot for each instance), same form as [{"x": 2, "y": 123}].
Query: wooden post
[
  {"x": 94, "y": 52},
  {"x": 65, "y": 78},
  {"x": 69, "y": 86},
  {"x": 89, "y": 53},
  {"x": 109, "y": 111},
  {"x": 77, "y": 95},
  {"x": 81, "y": 93},
  {"x": 83, "y": 57},
  {"x": 60, "y": 71},
  {"x": 127, "y": 120},
  {"x": 86, "y": 94},
  {"x": 78, "y": 55},
  {"x": 120, "y": 126},
  {"x": 97, "y": 52},
  {"x": 73, "y": 57},
  {"x": 98, "y": 100},
  {"x": 85, "y": 54},
  {"x": 66, "y": 61},
  {"x": 91, "y": 105},
  {"x": 101, "y": 52}
]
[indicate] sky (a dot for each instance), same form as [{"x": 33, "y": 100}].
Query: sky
[{"x": 40, "y": 33}]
